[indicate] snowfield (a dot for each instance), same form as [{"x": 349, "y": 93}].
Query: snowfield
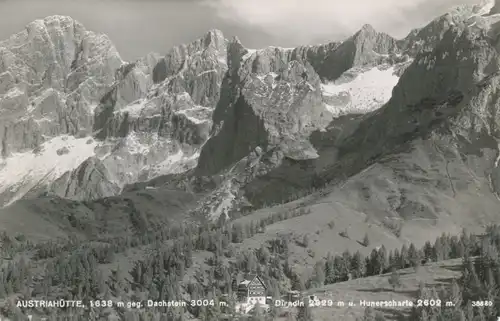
[
  {"x": 368, "y": 91},
  {"x": 21, "y": 172}
]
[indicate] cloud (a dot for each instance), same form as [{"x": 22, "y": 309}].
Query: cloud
[
  {"x": 305, "y": 20},
  {"x": 140, "y": 26}
]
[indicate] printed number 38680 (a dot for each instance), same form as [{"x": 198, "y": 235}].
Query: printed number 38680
[{"x": 482, "y": 304}]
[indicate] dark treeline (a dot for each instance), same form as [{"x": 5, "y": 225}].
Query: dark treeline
[
  {"x": 476, "y": 293},
  {"x": 72, "y": 270},
  {"x": 347, "y": 266}
]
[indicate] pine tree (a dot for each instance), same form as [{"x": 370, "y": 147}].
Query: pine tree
[
  {"x": 251, "y": 262},
  {"x": 413, "y": 256},
  {"x": 396, "y": 260},
  {"x": 428, "y": 251},
  {"x": 263, "y": 255},
  {"x": 345, "y": 266},
  {"x": 371, "y": 263},
  {"x": 329, "y": 267},
  {"x": 395, "y": 280},
  {"x": 403, "y": 257},
  {"x": 366, "y": 241},
  {"x": 298, "y": 283},
  {"x": 358, "y": 265},
  {"x": 319, "y": 274},
  {"x": 382, "y": 259}
]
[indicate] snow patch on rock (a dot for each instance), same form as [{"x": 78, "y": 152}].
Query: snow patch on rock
[
  {"x": 249, "y": 53},
  {"x": 366, "y": 92},
  {"x": 175, "y": 164},
  {"x": 23, "y": 171},
  {"x": 135, "y": 144},
  {"x": 196, "y": 115},
  {"x": 134, "y": 109}
]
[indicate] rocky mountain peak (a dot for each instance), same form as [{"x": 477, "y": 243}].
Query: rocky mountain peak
[
  {"x": 368, "y": 39},
  {"x": 494, "y": 6},
  {"x": 215, "y": 38},
  {"x": 366, "y": 47},
  {"x": 366, "y": 29},
  {"x": 46, "y": 72}
]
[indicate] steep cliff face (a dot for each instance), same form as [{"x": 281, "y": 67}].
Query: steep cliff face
[
  {"x": 52, "y": 75},
  {"x": 158, "y": 113},
  {"x": 148, "y": 117},
  {"x": 278, "y": 97},
  {"x": 276, "y": 105}
]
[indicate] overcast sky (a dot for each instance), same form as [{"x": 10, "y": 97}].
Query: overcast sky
[{"x": 141, "y": 26}]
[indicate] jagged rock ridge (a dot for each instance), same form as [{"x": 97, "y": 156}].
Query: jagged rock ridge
[
  {"x": 440, "y": 126},
  {"x": 58, "y": 79},
  {"x": 154, "y": 116},
  {"x": 151, "y": 117}
]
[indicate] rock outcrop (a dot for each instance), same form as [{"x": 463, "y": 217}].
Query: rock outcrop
[{"x": 90, "y": 180}]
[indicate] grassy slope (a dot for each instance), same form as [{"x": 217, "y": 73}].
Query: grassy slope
[
  {"x": 50, "y": 218},
  {"x": 350, "y": 211},
  {"x": 377, "y": 288}
]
